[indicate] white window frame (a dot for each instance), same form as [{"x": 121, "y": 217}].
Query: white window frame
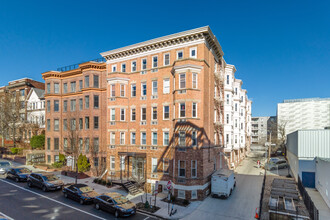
[
  {"x": 194, "y": 137},
  {"x": 194, "y": 195},
  {"x": 152, "y": 138},
  {"x": 177, "y": 54},
  {"x": 122, "y": 138},
  {"x": 142, "y": 63},
  {"x": 134, "y": 61},
  {"x": 192, "y": 83},
  {"x": 114, "y": 68},
  {"x": 142, "y": 113},
  {"x": 168, "y": 133},
  {"x": 168, "y": 162},
  {"x": 152, "y": 113},
  {"x": 122, "y": 163},
  {"x": 185, "y": 115},
  {"x": 181, "y": 194},
  {"x": 112, "y": 110},
  {"x": 112, "y": 138},
  {"x": 122, "y": 90},
  {"x": 132, "y": 138},
  {"x": 164, "y": 112},
  {"x": 153, "y": 161},
  {"x": 122, "y": 69},
  {"x": 185, "y": 80},
  {"x": 112, "y": 86},
  {"x": 153, "y": 61},
  {"x": 192, "y": 110},
  {"x": 169, "y": 59},
  {"x": 143, "y": 83},
  {"x": 132, "y": 89},
  {"x": 121, "y": 111},
  {"x": 141, "y": 139},
  {"x": 182, "y": 144},
  {"x": 190, "y": 51},
  {"x": 166, "y": 88},
  {"x": 179, "y": 167},
  {"x": 132, "y": 114},
  {"x": 153, "y": 87},
  {"x": 112, "y": 162},
  {"x": 192, "y": 169}
]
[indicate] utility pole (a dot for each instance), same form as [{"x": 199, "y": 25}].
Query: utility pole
[{"x": 270, "y": 145}]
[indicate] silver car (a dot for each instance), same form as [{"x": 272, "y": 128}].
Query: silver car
[
  {"x": 4, "y": 167},
  {"x": 280, "y": 164}
]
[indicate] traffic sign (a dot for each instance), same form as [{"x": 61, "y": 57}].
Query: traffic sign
[{"x": 169, "y": 185}]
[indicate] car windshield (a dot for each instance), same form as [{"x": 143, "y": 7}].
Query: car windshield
[
  {"x": 23, "y": 170},
  {"x": 86, "y": 189},
  {"x": 120, "y": 200},
  {"x": 4, "y": 164},
  {"x": 50, "y": 178}
]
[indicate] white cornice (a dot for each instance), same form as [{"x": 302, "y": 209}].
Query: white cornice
[{"x": 162, "y": 42}]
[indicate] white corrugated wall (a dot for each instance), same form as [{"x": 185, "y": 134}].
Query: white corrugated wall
[{"x": 313, "y": 143}]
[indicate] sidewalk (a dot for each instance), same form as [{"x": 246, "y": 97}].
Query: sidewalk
[{"x": 324, "y": 210}]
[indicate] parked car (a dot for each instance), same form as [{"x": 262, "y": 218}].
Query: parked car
[
  {"x": 280, "y": 164},
  {"x": 223, "y": 183},
  {"x": 19, "y": 174},
  {"x": 45, "y": 181},
  {"x": 80, "y": 192},
  {"x": 4, "y": 167},
  {"x": 115, "y": 203}
]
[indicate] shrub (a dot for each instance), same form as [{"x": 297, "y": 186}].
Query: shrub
[
  {"x": 95, "y": 180},
  {"x": 61, "y": 158},
  {"x": 38, "y": 142},
  {"x": 16, "y": 150},
  {"x": 82, "y": 163},
  {"x": 103, "y": 182},
  {"x": 57, "y": 165},
  {"x": 186, "y": 202}
]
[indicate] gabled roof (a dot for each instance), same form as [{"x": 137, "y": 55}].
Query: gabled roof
[{"x": 39, "y": 92}]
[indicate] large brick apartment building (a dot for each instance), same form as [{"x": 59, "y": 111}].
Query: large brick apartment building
[{"x": 160, "y": 111}]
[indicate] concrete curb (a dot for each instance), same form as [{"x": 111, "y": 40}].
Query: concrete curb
[{"x": 151, "y": 214}]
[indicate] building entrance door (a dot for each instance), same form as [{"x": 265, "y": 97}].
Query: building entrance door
[{"x": 138, "y": 168}]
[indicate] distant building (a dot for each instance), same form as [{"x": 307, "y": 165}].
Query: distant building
[
  {"x": 302, "y": 148},
  {"x": 261, "y": 129},
  {"x": 36, "y": 107},
  {"x": 296, "y": 114},
  {"x": 322, "y": 178}
]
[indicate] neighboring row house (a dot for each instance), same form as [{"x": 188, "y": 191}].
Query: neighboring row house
[
  {"x": 237, "y": 114},
  {"x": 154, "y": 110}
]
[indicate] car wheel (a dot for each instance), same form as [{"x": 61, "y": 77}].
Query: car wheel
[
  {"x": 65, "y": 195},
  {"x": 44, "y": 188},
  {"x": 231, "y": 191},
  {"x": 81, "y": 201},
  {"x": 116, "y": 214},
  {"x": 97, "y": 206},
  {"x": 29, "y": 184},
  {"x": 16, "y": 179}
]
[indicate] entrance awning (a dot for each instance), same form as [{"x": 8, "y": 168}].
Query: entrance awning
[{"x": 132, "y": 154}]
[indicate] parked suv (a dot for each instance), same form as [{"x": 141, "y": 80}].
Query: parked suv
[
  {"x": 80, "y": 192},
  {"x": 4, "y": 167},
  {"x": 280, "y": 164},
  {"x": 19, "y": 174},
  {"x": 45, "y": 181}
]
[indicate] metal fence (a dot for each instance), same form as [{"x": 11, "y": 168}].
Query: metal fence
[
  {"x": 262, "y": 194},
  {"x": 76, "y": 66},
  {"x": 312, "y": 210}
]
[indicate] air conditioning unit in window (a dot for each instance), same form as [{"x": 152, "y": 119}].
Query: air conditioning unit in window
[
  {"x": 112, "y": 123},
  {"x": 143, "y": 148},
  {"x": 154, "y": 148},
  {"x": 143, "y": 72},
  {"x": 112, "y": 99},
  {"x": 143, "y": 98},
  {"x": 143, "y": 122},
  {"x": 154, "y": 122},
  {"x": 154, "y": 97},
  {"x": 154, "y": 176}
]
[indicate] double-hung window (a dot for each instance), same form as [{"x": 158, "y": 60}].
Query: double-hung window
[
  {"x": 112, "y": 163},
  {"x": 154, "y": 87},
  {"x": 122, "y": 138},
  {"x": 73, "y": 105},
  {"x": 227, "y": 79},
  {"x": 182, "y": 138},
  {"x": 143, "y": 89},
  {"x": 56, "y": 88},
  {"x": 48, "y": 88},
  {"x": 122, "y": 90},
  {"x": 227, "y": 98},
  {"x": 113, "y": 90},
  {"x": 86, "y": 81},
  {"x": 73, "y": 86},
  {"x": 95, "y": 81},
  {"x": 179, "y": 55},
  {"x": 80, "y": 86},
  {"x": 122, "y": 114},
  {"x": 193, "y": 52},
  {"x": 86, "y": 122},
  {"x": 133, "y": 114},
  {"x": 133, "y": 138},
  {"x": 114, "y": 68},
  {"x": 166, "y": 112},
  {"x": 56, "y": 124},
  {"x": 182, "y": 79},
  {"x": 154, "y": 61},
  {"x": 166, "y": 138},
  {"x": 193, "y": 168},
  {"x": 65, "y": 106},
  {"x": 182, "y": 110},
  {"x": 166, "y": 165},
  {"x": 154, "y": 113},
  {"x": 166, "y": 86},
  {"x": 65, "y": 124},
  {"x": 96, "y": 101},
  {"x": 123, "y": 67},
  {"x": 133, "y": 90},
  {"x": 56, "y": 105},
  {"x": 143, "y": 114},
  {"x": 144, "y": 64},
  {"x": 182, "y": 168},
  {"x": 112, "y": 114},
  {"x": 133, "y": 66},
  {"x": 166, "y": 59},
  {"x": 194, "y": 80},
  {"x": 154, "y": 138},
  {"x": 96, "y": 122},
  {"x": 113, "y": 138},
  {"x": 154, "y": 165},
  {"x": 81, "y": 124},
  {"x": 143, "y": 138},
  {"x": 194, "y": 110},
  {"x": 194, "y": 138},
  {"x": 227, "y": 118},
  {"x": 65, "y": 88},
  {"x": 80, "y": 104}
]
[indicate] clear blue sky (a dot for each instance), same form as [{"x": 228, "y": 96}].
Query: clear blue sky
[{"x": 281, "y": 49}]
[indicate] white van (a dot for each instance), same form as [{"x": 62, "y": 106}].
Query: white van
[{"x": 223, "y": 183}]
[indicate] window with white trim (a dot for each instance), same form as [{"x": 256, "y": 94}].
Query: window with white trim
[
  {"x": 227, "y": 118},
  {"x": 122, "y": 114},
  {"x": 122, "y": 138},
  {"x": 166, "y": 165},
  {"x": 181, "y": 194},
  {"x": 133, "y": 114},
  {"x": 154, "y": 113},
  {"x": 113, "y": 90},
  {"x": 182, "y": 110},
  {"x": 133, "y": 66},
  {"x": 227, "y": 79},
  {"x": 166, "y": 59},
  {"x": 194, "y": 169},
  {"x": 154, "y": 87},
  {"x": 122, "y": 90},
  {"x": 166, "y": 112},
  {"x": 143, "y": 114},
  {"x": 227, "y": 98},
  {"x": 144, "y": 64},
  {"x": 182, "y": 138},
  {"x": 133, "y": 138},
  {"x": 123, "y": 67},
  {"x": 182, "y": 168},
  {"x": 122, "y": 162},
  {"x": 114, "y": 68},
  {"x": 194, "y": 80},
  {"x": 193, "y": 52},
  {"x": 112, "y": 163},
  {"x": 182, "y": 80},
  {"x": 193, "y": 194},
  {"x": 133, "y": 90},
  {"x": 194, "y": 110},
  {"x": 113, "y": 138},
  {"x": 166, "y": 138},
  {"x": 154, "y": 138},
  {"x": 143, "y": 138},
  {"x": 154, "y": 165},
  {"x": 179, "y": 54},
  {"x": 194, "y": 138},
  {"x": 113, "y": 114},
  {"x": 166, "y": 86},
  {"x": 154, "y": 61},
  {"x": 143, "y": 89}
]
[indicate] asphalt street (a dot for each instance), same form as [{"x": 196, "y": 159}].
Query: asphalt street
[{"x": 17, "y": 201}]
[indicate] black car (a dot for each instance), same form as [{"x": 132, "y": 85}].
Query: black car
[
  {"x": 80, "y": 192},
  {"x": 45, "y": 181},
  {"x": 115, "y": 203},
  {"x": 19, "y": 174}
]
